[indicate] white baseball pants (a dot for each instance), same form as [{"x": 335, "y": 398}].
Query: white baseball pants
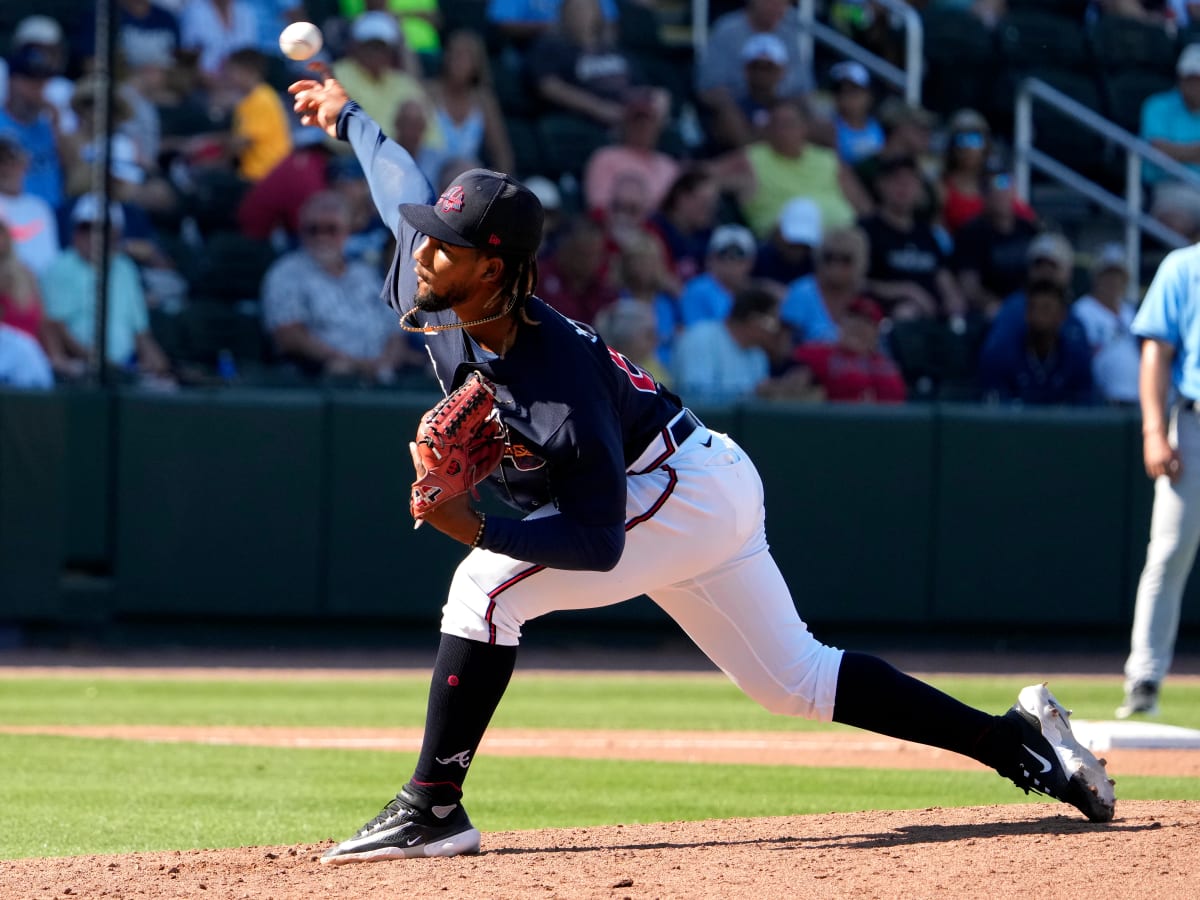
[
  {"x": 1174, "y": 538},
  {"x": 695, "y": 544}
]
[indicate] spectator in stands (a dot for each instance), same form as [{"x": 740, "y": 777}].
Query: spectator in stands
[
  {"x": 323, "y": 313},
  {"x": 78, "y": 151},
  {"x": 788, "y": 252},
  {"x": 44, "y": 35},
  {"x": 853, "y": 369},
  {"x": 644, "y": 279},
  {"x": 370, "y": 240},
  {"x": 728, "y": 263},
  {"x": 371, "y": 74},
  {"x": 908, "y": 131},
  {"x": 730, "y": 358},
  {"x": 467, "y": 112},
  {"x": 630, "y": 327},
  {"x": 1040, "y": 363},
  {"x": 684, "y": 222},
  {"x": 31, "y": 120},
  {"x": 524, "y": 20},
  {"x": 411, "y": 131},
  {"x": 857, "y": 133},
  {"x": 578, "y": 70},
  {"x": 28, "y": 218},
  {"x": 786, "y": 164},
  {"x": 69, "y": 292},
  {"x": 261, "y": 136},
  {"x": 420, "y": 21},
  {"x": 213, "y": 29},
  {"x": 20, "y": 300},
  {"x": 968, "y": 150},
  {"x": 909, "y": 272},
  {"x": 815, "y": 305},
  {"x": 149, "y": 34},
  {"x": 142, "y": 90},
  {"x": 737, "y": 123},
  {"x": 550, "y": 197},
  {"x": 625, "y": 216},
  {"x": 1050, "y": 258},
  {"x": 1171, "y": 123},
  {"x": 645, "y": 114},
  {"x": 23, "y": 364},
  {"x": 1107, "y": 313},
  {"x": 721, "y": 72},
  {"x": 575, "y": 278},
  {"x": 990, "y": 250},
  {"x": 273, "y": 203}
]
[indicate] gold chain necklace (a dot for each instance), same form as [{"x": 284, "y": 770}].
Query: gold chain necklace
[{"x": 434, "y": 329}]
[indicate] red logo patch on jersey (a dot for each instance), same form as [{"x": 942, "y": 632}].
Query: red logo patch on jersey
[{"x": 452, "y": 200}]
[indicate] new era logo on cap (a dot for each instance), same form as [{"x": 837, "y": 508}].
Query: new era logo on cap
[{"x": 482, "y": 209}]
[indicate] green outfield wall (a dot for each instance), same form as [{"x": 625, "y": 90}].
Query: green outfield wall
[{"x": 291, "y": 506}]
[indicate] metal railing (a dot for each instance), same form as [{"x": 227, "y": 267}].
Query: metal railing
[
  {"x": 1129, "y": 208},
  {"x": 907, "y": 79}
]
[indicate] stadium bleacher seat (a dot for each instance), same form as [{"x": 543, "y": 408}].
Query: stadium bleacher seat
[
  {"x": 960, "y": 61},
  {"x": 233, "y": 267},
  {"x": 1120, "y": 44},
  {"x": 1125, "y": 92}
]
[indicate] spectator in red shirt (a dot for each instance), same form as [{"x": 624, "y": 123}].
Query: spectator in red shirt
[
  {"x": 275, "y": 201},
  {"x": 854, "y": 370},
  {"x": 574, "y": 279},
  {"x": 20, "y": 301}
]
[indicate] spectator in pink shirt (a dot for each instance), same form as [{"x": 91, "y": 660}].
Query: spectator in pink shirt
[{"x": 645, "y": 114}]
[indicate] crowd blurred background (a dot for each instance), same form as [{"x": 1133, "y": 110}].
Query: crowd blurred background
[{"x": 731, "y": 220}]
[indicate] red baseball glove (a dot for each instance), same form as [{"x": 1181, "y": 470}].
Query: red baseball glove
[{"x": 459, "y": 442}]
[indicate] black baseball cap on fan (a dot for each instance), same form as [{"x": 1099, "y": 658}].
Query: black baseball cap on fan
[{"x": 482, "y": 209}]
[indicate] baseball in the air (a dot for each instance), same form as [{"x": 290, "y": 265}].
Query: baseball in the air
[{"x": 301, "y": 40}]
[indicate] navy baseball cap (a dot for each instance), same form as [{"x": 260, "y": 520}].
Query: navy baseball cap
[{"x": 481, "y": 209}]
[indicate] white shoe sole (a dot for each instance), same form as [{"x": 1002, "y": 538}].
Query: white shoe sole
[
  {"x": 1078, "y": 761},
  {"x": 456, "y": 845}
]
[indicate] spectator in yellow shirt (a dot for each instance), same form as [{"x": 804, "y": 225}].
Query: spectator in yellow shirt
[{"x": 262, "y": 136}]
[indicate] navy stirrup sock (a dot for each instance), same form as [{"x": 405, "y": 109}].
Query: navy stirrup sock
[
  {"x": 876, "y": 696},
  {"x": 469, "y": 678}
]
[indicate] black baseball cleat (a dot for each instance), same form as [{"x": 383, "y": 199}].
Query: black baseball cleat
[
  {"x": 1140, "y": 700},
  {"x": 1050, "y": 761},
  {"x": 407, "y": 828}
]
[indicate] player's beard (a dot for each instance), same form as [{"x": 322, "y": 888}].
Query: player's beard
[{"x": 427, "y": 300}]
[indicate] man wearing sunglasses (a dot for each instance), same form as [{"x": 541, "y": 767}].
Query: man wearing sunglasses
[{"x": 323, "y": 311}]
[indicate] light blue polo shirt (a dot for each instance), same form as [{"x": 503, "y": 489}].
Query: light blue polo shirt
[
  {"x": 1165, "y": 117},
  {"x": 1170, "y": 313},
  {"x": 69, "y": 295}
]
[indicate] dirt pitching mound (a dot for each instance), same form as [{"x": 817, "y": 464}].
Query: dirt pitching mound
[{"x": 983, "y": 852}]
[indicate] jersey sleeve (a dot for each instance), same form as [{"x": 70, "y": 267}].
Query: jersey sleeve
[
  {"x": 392, "y": 174},
  {"x": 1158, "y": 317}
]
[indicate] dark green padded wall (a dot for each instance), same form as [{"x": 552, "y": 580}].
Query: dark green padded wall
[
  {"x": 849, "y": 512},
  {"x": 1031, "y": 515},
  {"x": 219, "y": 500},
  {"x": 32, "y": 501}
]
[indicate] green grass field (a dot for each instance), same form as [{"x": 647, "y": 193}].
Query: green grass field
[{"x": 73, "y": 795}]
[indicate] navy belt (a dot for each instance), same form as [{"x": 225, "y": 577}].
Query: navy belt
[{"x": 1189, "y": 405}]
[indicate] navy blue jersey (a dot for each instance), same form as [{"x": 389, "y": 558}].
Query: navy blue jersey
[{"x": 577, "y": 414}]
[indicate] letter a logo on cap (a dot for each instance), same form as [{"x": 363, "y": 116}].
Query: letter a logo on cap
[
  {"x": 452, "y": 200},
  {"x": 494, "y": 240}
]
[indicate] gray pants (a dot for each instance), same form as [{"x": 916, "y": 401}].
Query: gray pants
[{"x": 1174, "y": 537}]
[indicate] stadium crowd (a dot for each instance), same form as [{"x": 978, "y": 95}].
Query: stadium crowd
[{"x": 735, "y": 223}]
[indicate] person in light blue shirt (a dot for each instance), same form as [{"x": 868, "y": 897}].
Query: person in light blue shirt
[
  {"x": 728, "y": 262},
  {"x": 858, "y": 134},
  {"x": 814, "y": 304},
  {"x": 68, "y": 292},
  {"x": 1171, "y": 123},
  {"x": 1169, "y": 325},
  {"x": 26, "y": 119}
]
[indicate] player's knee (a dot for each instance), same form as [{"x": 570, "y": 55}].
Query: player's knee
[
  {"x": 470, "y": 613},
  {"x": 807, "y": 690}
]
